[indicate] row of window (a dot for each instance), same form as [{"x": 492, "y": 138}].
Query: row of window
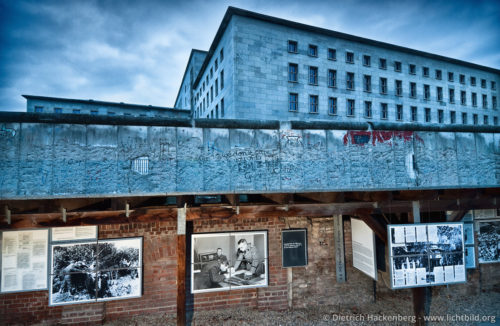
[
  {"x": 210, "y": 95},
  {"x": 293, "y": 106},
  {"x": 210, "y": 76},
  {"x": 214, "y": 114},
  {"x": 367, "y": 86},
  {"x": 382, "y": 64},
  {"x": 40, "y": 109}
]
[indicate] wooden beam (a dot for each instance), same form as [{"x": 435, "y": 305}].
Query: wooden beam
[{"x": 279, "y": 198}]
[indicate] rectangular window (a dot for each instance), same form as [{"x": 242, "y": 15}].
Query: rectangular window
[
  {"x": 368, "y": 109},
  {"x": 293, "y": 71},
  {"x": 216, "y": 87},
  {"x": 332, "y": 105},
  {"x": 450, "y": 77},
  {"x": 397, "y": 66},
  {"x": 313, "y": 50},
  {"x": 216, "y": 64},
  {"x": 211, "y": 94},
  {"x": 440, "y": 116},
  {"x": 293, "y": 46},
  {"x": 427, "y": 92},
  {"x": 58, "y": 110},
  {"x": 366, "y": 60},
  {"x": 427, "y": 114},
  {"x": 350, "y": 108},
  {"x": 383, "y": 85},
  {"x": 399, "y": 88},
  {"x": 412, "y": 69},
  {"x": 332, "y": 78},
  {"x": 313, "y": 103},
  {"x": 38, "y": 109},
  {"x": 485, "y": 120},
  {"x": 461, "y": 79},
  {"x": 439, "y": 91},
  {"x": 221, "y": 80},
  {"x": 76, "y": 111},
  {"x": 94, "y": 112},
  {"x": 221, "y": 54},
  {"x": 474, "y": 99},
  {"x": 349, "y": 57},
  {"x": 474, "y": 119},
  {"x": 399, "y": 112},
  {"x": 425, "y": 71},
  {"x": 216, "y": 111},
  {"x": 439, "y": 74},
  {"x": 473, "y": 81},
  {"x": 382, "y": 63},
  {"x": 413, "y": 90},
  {"x": 211, "y": 73},
  {"x": 350, "y": 80},
  {"x": 332, "y": 54},
  {"x": 493, "y": 85},
  {"x": 293, "y": 102},
  {"x": 495, "y": 121},
  {"x": 494, "y": 102},
  {"x": 367, "y": 83},
  {"x": 384, "y": 114},
  {"x": 453, "y": 117},
  {"x": 313, "y": 75},
  {"x": 464, "y": 118},
  {"x": 483, "y": 83},
  {"x": 451, "y": 95},
  {"x": 414, "y": 113},
  {"x": 485, "y": 101},
  {"x": 222, "y": 108},
  {"x": 463, "y": 98}
]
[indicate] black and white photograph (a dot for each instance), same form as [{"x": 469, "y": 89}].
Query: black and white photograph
[
  {"x": 230, "y": 260},
  {"x": 488, "y": 241},
  {"x": 426, "y": 254},
  {"x": 94, "y": 271}
]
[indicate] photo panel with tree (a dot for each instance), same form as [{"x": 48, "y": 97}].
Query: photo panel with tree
[
  {"x": 488, "y": 241},
  {"x": 229, "y": 260}
]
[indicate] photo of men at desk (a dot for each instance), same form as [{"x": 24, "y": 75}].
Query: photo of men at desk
[{"x": 224, "y": 261}]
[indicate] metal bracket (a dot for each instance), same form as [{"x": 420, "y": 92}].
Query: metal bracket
[
  {"x": 127, "y": 210},
  {"x": 8, "y": 214},
  {"x": 63, "y": 213}
]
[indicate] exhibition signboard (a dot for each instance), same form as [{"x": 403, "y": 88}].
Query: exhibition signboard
[
  {"x": 363, "y": 248},
  {"x": 426, "y": 254},
  {"x": 294, "y": 247}
]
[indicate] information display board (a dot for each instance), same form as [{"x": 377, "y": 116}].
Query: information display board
[
  {"x": 76, "y": 233},
  {"x": 24, "y": 260},
  {"x": 426, "y": 254},
  {"x": 294, "y": 247},
  {"x": 488, "y": 241},
  {"x": 363, "y": 248}
]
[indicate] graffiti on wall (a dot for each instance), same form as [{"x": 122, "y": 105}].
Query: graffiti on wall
[{"x": 379, "y": 137}]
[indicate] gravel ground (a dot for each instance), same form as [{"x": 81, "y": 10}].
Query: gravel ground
[{"x": 386, "y": 311}]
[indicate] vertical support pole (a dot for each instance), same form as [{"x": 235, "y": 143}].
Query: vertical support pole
[
  {"x": 416, "y": 211},
  {"x": 290, "y": 286},
  {"x": 419, "y": 294},
  {"x": 338, "y": 237},
  {"x": 181, "y": 266}
]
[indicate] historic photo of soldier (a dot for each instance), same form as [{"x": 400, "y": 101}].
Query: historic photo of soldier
[{"x": 223, "y": 261}]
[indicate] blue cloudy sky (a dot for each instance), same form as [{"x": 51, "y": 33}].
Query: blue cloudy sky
[{"x": 136, "y": 51}]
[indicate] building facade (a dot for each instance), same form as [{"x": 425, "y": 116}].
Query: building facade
[
  {"x": 261, "y": 67},
  {"x": 43, "y": 104}
]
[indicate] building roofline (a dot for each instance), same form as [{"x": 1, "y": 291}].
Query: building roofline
[
  {"x": 118, "y": 104},
  {"x": 231, "y": 11},
  {"x": 185, "y": 71}
]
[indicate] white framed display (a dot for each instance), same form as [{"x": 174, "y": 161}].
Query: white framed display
[
  {"x": 92, "y": 271},
  {"x": 426, "y": 254},
  {"x": 228, "y": 261},
  {"x": 364, "y": 255},
  {"x": 488, "y": 241},
  {"x": 73, "y": 233},
  {"x": 24, "y": 260}
]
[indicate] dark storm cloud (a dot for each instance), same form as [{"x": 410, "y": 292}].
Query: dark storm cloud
[{"x": 136, "y": 51}]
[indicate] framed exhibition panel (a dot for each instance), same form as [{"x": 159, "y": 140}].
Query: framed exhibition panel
[
  {"x": 488, "y": 241},
  {"x": 24, "y": 260},
  {"x": 364, "y": 255},
  {"x": 228, "y": 261},
  {"x": 426, "y": 254},
  {"x": 294, "y": 247},
  {"x": 75, "y": 233},
  {"x": 95, "y": 271}
]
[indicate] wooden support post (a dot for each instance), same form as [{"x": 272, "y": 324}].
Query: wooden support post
[
  {"x": 181, "y": 266},
  {"x": 419, "y": 305},
  {"x": 290, "y": 286},
  {"x": 338, "y": 237}
]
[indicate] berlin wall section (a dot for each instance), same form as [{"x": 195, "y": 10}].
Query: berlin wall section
[{"x": 68, "y": 160}]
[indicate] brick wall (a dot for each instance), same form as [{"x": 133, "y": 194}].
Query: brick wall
[{"x": 312, "y": 285}]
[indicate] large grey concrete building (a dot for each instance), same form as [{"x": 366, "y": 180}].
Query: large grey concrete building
[{"x": 262, "y": 67}]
